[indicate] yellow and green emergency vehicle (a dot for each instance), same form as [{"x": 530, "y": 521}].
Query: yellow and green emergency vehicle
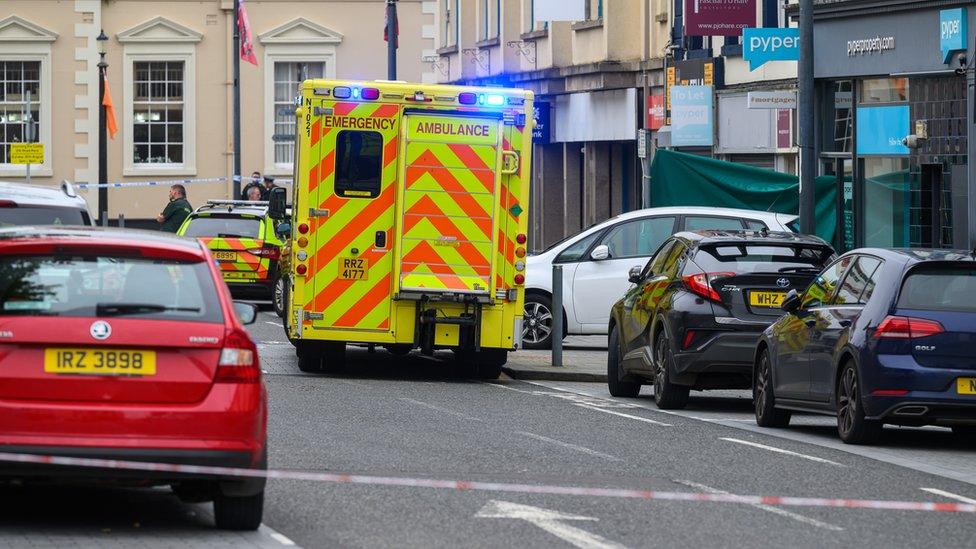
[
  {"x": 409, "y": 220},
  {"x": 242, "y": 238}
]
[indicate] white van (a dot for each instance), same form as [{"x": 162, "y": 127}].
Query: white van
[{"x": 23, "y": 204}]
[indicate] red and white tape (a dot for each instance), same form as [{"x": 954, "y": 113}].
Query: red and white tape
[{"x": 465, "y": 485}]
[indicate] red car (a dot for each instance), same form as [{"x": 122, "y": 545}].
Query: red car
[{"x": 126, "y": 345}]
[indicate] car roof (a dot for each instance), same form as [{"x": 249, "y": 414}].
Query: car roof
[
  {"x": 234, "y": 207},
  {"x": 100, "y": 235},
  {"x": 712, "y": 236},
  {"x": 42, "y": 195},
  {"x": 918, "y": 255},
  {"x": 702, "y": 210}
]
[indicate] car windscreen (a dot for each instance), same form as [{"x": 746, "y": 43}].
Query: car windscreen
[
  {"x": 42, "y": 215},
  {"x": 763, "y": 257},
  {"x": 88, "y": 286},
  {"x": 224, "y": 226},
  {"x": 939, "y": 288}
]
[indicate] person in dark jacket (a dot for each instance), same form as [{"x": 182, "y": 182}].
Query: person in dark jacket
[
  {"x": 268, "y": 185},
  {"x": 176, "y": 211}
]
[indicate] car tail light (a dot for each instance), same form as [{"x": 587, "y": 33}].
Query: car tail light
[
  {"x": 238, "y": 359},
  {"x": 520, "y": 279},
  {"x": 303, "y": 228},
  {"x": 8, "y": 204},
  {"x": 521, "y": 238},
  {"x": 903, "y": 327},
  {"x": 701, "y": 284},
  {"x": 301, "y": 269},
  {"x": 889, "y": 392},
  {"x": 270, "y": 252}
]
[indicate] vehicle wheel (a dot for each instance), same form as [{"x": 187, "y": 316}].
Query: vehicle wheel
[
  {"x": 333, "y": 357},
  {"x": 615, "y": 374},
  {"x": 483, "y": 364},
  {"x": 279, "y": 296},
  {"x": 309, "y": 360},
  {"x": 851, "y": 425},
  {"x": 767, "y": 415},
  {"x": 489, "y": 362},
  {"x": 667, "y": 395},
  {"x": 537, "y": 322},
  {"x": 399, "y": 350},
  {"x": 239, "y": 512}
]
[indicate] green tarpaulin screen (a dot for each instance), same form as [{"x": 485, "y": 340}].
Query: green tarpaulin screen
[{"x": 682, "y": 179}]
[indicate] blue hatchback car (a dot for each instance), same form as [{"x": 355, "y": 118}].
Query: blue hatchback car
[{"x": 880, "y": 336}]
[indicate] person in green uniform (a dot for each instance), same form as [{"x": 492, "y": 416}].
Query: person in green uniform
[{"x": 176, "y": 211}]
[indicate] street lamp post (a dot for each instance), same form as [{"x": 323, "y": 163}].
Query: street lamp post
[{"x": 102, "y": 143}]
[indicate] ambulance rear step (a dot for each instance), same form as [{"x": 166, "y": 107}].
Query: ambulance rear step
[
  {"x": 468, "y": 322},
  {"x": 448, "y": 297}
]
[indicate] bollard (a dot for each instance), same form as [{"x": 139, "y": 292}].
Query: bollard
[
  {"x": 557, "y": 315},
  {"x": 122, "y": 221}
]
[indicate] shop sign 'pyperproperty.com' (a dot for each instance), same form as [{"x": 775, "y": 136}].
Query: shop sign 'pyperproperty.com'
[
  {"x": 868, "y": 46},
  {"x": 718, "y": 17}
]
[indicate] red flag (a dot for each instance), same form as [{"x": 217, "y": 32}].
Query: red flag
[
  {"x": 110, "y": 124},
  {"x": 244, "y": 30},
  {"x": 396, "y": 28}
]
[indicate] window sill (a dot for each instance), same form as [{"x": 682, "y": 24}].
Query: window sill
[
  {"x": 280, "y": 171},
  {"x": 447, "y": 50},
  {"x": 535, "y": 35},
  {"x": 584, "y": 25},
  {"x": 17, "y": 170},
  {"x": 488, "y": 43},
  {"x": 159, "y": 170}
]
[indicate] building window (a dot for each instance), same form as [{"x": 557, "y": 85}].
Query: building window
[
  {"x": 157, "y": 112},
  {"x": 17, "y": 78},
  {"x": 359, "y": 164},
  {"x": 449, "y": 32},
  {"x": 288, "y": 78},
  {"x": 529, "y": 23},
  {"x": 490, "y": 16},
  {"x": 883, "y": 90},
  {"x": 594, "y": 10}
]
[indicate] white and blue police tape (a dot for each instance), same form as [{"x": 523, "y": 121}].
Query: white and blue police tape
[
  {"x": 465, "y": 485},
  {"x": 165, "y": 182}
]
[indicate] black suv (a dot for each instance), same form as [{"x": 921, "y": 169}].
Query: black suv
[{"x": 697, "y": 309}]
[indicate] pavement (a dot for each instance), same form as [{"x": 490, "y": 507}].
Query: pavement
[
  {"x": 584, "y": 359},
  {"x": 387, "y": 428}
]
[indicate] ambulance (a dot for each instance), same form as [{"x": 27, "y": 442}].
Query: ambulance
[{"x": 409, "y": 221}]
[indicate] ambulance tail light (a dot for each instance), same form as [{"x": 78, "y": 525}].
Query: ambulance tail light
[
  {"x": 303, "y": 228},
  {"x": 301, "y": 269},
  {"x": 521, "y": 238},
  {"x": 370, "y": 94},
  {"x": 520, "y": 279},
  {"x": 467, "y": 98},
  {"x": 342, "y": 92}
]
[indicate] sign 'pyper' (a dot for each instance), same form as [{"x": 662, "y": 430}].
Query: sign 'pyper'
[
  {"x": 763, "y": 45},
  {"x": 952, "y": 32}
]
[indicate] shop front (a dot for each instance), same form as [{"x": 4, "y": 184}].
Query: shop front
[{"x": 893, "y": 96}]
